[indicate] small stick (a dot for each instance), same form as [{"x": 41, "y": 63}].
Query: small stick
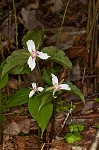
[
  {"x": 95, "y": 143},
  {"x": 43, "y": 146},
  {"x": 68, "y": 114}
]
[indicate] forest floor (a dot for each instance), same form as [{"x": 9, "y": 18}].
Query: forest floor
[{"x": 20, "y": 129}]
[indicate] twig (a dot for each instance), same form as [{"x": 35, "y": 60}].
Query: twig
[
  {"x": 43, "y": 146},
  {"x": 68, "y": 114},
  {"x": 95, "y": 143},
  {"x": 86, "y": 116}
]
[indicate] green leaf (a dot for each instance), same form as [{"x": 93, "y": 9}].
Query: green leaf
[
  {"x": 80, "y": 127},
  {"x": 97, "y": 100},
  {"x": 17, "y": 69},
  {"x": 46, "y": 77},
  {"x": 76, "y": 90},
  {"x": 3, "y": 81},
  {"x": 19, "y": 98},
  {"x": 73, "y": 127},
  {"x": 17, "y": 58},
  {"x": 77, "y": 136},
  {"x": 45, "y": 99},
  {"x": 26, "y": 70},
  {"x": 2, "y": 120},
  {"x": 58, "y": 56},
  {"x": 42, "y": 117},
  {"x": 76, "y": 127},
  {"x": 71, "y": 139},
  {"x": 37, "y": 35}
]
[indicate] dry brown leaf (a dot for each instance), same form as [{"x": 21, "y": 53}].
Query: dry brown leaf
[
  {"x": 12, "y": 129},
  {"x": 87, "y": 106},
  {"x": 75, "y": 51},
  {"x": 78, "y": 148},
  {"x": 29, "y": 18},
  {"x": 61, "y": 145},
  {"x": 74, "y": 73},
  {"x": 3, "y": 3},
  {"x": 24, "y": 126},
  {"x": 57, "y": 6},
  {"x": 13, "y": 83},
  {"x": 21, "y": 143},
  {"x": 64, "y": 37}
]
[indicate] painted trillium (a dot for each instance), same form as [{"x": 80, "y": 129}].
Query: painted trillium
[
  {"x": 35, "y": 89},
  {"x": 57, "y": 86},
  {"x": 34, "y": 54}
]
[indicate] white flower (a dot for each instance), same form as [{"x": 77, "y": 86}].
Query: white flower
[
  {"x": 57, "y": 86},
  {"x": 35, "y": 89},
  {"x": 34, "y": 54}
]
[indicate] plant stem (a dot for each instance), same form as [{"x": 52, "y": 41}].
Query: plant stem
[
  {"x": 1, "y": 121},
  {"x": 39, "y": 72},
  {"x": 1, "y": 47},
  {"x": 53, "y": 122},
  {"x": 60, "y": 29},
  {"x": 39, "y": 133},
  {"x": 16, "y": 24}
]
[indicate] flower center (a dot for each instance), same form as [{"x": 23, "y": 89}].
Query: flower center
[
  {"x": 57, "y": 87},
  {"x": 35, "y": 89},
  {"x": 33, "y": 54}
]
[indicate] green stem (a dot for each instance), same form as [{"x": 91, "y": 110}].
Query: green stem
[
  {"x": 39, "y": 130},
  {"x": 39, "y": 133},
  {"x": 19, "y": 80},
  {"x": 60, "y": 30},
  {"x": 16, "y": 24},
  {"x": 39, "y": 72}
]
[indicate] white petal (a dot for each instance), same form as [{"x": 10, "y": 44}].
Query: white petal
[
  {"x": 64, "y": 87},
  {"x": 34, "y": 85},
  {"x": 54, "y": 93},
  {"x": 30, "y": 45},
  {"x": 31, "y": 93},
  {"x": 31, "y": 63},
  {"x": 54, "y": 79},
  {"x": 40, "y": 89},
  {"x": 42, "y": 55}
]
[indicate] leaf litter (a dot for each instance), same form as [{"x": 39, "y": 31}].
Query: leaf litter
[{"x": 48, "y": 14}]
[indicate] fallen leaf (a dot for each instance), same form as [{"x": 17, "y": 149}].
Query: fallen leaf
[
  {"x": 21, "y": 143},
  {"x": 13, "y": 83},
  {"x": 12, "y": 129},
  {"x": 29, "y": 19},
  {"x": 57, "y": 6},
  {"x": 74, "y": 73},
  {"x": 87, "y": 107},
  {"x": 24, "y": 126},
  {"x": 78, "y": 148}
]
